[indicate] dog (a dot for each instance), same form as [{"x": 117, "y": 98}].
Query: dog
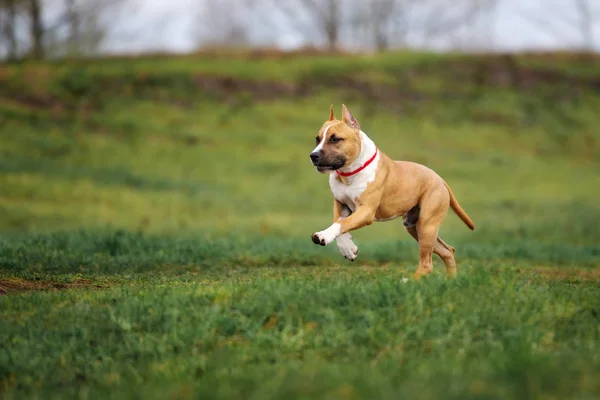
[{"x": 368, "y": 186}]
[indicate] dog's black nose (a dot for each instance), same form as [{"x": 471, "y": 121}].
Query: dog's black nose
[{"x": 314, "y": 157}]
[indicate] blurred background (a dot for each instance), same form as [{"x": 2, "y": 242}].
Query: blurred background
[
  {"x": 58, "y": 28},
  {"x": 197, "y": 116}
]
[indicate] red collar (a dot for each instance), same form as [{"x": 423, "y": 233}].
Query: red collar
[{"x": 356, "y": 171}]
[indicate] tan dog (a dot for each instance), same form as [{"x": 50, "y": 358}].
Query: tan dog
[{"x": 368, "y": 186}]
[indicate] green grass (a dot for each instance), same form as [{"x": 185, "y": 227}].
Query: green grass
[
  {"x": 325, "y": 332},
  {"x": 155, "y": 231}
]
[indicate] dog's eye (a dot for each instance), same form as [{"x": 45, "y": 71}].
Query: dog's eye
[
  {"x": 335, "y": 139},
  {"x": 317, "y": 140}
]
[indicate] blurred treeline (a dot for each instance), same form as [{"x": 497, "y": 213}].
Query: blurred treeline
[{"x": 40, "y": 29}]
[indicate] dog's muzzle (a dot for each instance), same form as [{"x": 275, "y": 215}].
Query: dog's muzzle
[
  {"x": 315, "y": 157},
  {"x": 325, "y": 164}
]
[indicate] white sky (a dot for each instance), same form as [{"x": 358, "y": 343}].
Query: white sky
[{"x": 168, "y": 25}]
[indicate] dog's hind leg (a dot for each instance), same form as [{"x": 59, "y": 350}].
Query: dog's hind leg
[
  {"x": 446, "y": 253},
  {"x": 442, "y": 249},
  {"x": 433, "y": 208}
]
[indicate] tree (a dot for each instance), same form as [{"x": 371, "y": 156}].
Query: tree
[
  {"x": 72, "y": 17},
  {"x": 17, "y": 16},
  {"x": 81, "y": 26},
  {"x": 318, "y": 21},
  {"x": 56, "y": 28},
  {"x": 8, "y": 21},
  {"x": 462, "y": 24},
  {"x": 36, "y": 29},
  {"x": 387, "y": 21},
  {"x": 378, "y": 24},
  {"x": 382, "y": 16},
  {"x": 223, "y": 23}
]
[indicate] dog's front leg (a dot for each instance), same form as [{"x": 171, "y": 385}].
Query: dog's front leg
[
  {"x": 327, "y": 236},
  {"x": 363, "y": 216},
  {"x": 344, "y": 242},
  {"x": 347, "y": 247}
]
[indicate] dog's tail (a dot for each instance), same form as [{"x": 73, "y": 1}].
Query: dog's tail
[{"x": 458, "y": 209}]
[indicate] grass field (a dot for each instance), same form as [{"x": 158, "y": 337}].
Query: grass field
[{"x": 156, "y": 213}]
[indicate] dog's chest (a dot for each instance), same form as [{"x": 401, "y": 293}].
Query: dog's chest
[{"x": 347, "y": 194}]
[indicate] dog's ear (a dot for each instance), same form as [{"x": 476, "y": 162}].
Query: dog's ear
[
  {"x": 331, "y": 116},
  {"x": 349, "y": 119}
]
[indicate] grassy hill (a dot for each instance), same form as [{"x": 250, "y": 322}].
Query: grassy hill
[
  {"x": 218, "y": 144},
  {"x": 181, "y": 189}
]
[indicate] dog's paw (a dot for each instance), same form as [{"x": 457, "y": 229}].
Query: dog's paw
[
  {"x": 318, "y": 238},
  {"x": 347, "y": 247},
  {"x": 327, "y": 236}
]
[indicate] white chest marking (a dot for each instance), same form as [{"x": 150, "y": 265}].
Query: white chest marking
[{"x": 347, "y": 194}]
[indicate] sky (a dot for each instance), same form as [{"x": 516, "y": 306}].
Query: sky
[{"x": 168, "y": 25}]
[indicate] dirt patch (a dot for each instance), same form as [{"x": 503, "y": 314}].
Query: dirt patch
[
  {"x": 18, "y": 285},
  {"x": 227, "y": 87}
]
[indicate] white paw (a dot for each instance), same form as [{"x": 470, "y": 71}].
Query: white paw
[
  {"x": 347, "y": 247},
  {"x": 327, "y": 236}
]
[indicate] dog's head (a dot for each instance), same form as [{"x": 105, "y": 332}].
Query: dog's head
[{"x": 338, "y": 142}]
